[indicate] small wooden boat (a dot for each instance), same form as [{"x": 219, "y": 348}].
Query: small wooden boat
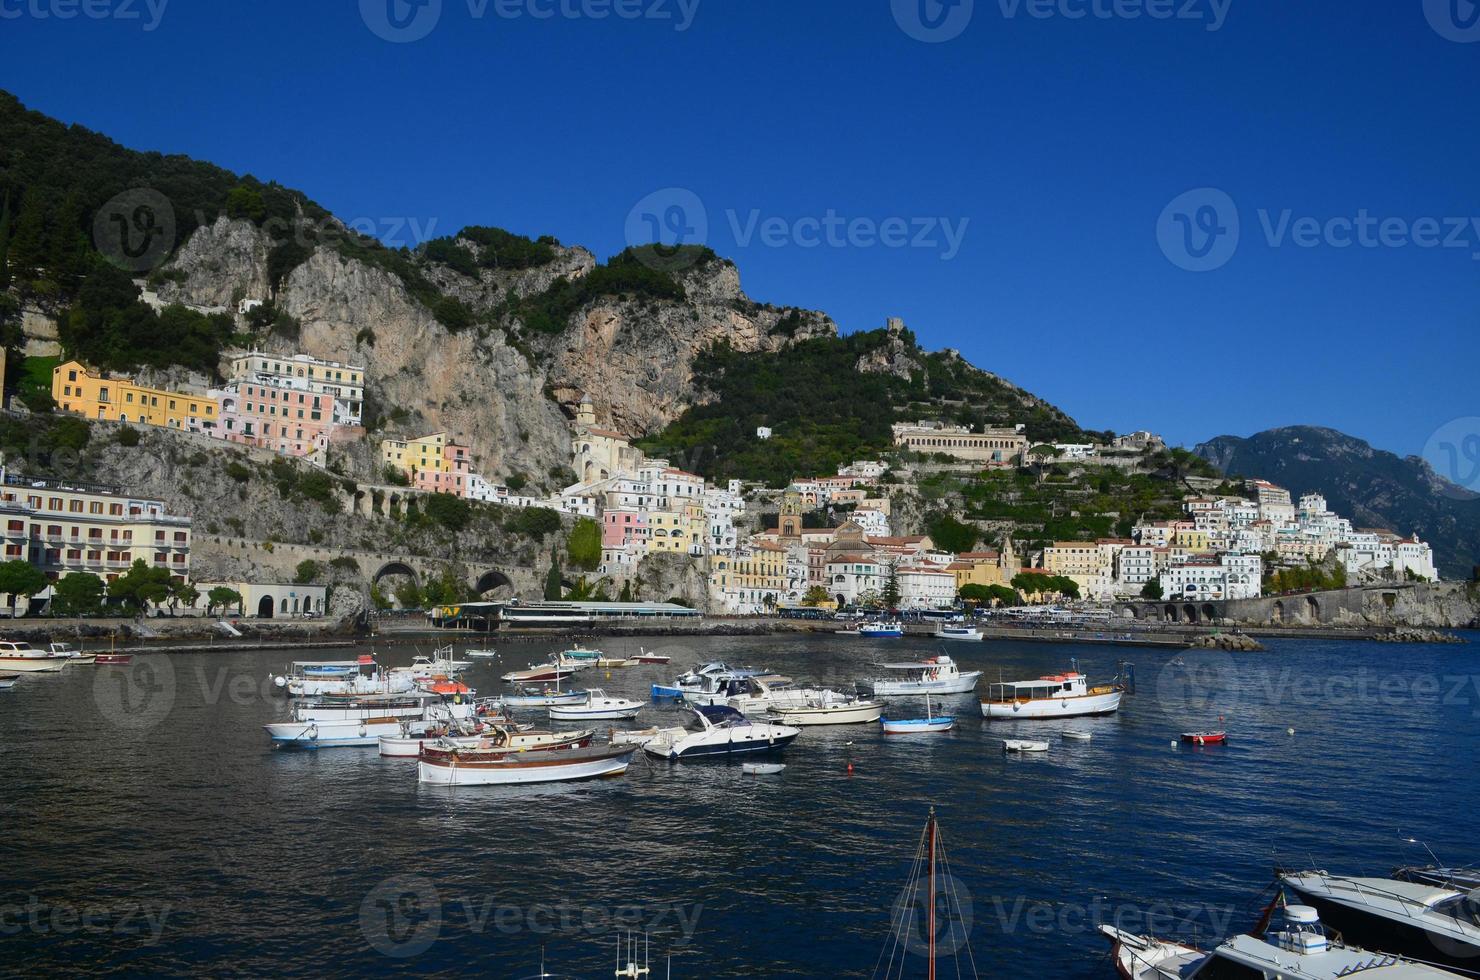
[
  {"x": 473, "y": 767},
  {"x": 75, "y": 657},
  {"x": 113, "y": 659},
  {"x": 542, "y": 697},
  {"x": 7, "y": 681},
  {"x": 1205, "y": 738},
  {"x": 918, "y": 726},
  {"x": 1023, "y": 745},
  {"x": 482, "y": 654},
  {"x": 1077, "y": 736},
  {"x": 598, "y": 705},
  {"x": 643, "y": 657},
  {"x": 761, "y": 768},
  {"x": 536, "y": 673}
]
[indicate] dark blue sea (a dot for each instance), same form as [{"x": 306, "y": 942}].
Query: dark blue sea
[{"x": 148, "y": 827}]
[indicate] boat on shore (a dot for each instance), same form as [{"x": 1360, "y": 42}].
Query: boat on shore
[
  {"x": 19, "y": 657},
  {"x": 475, "y": 767},
  {"x": 1425, "y": 919},
  {"x": 968, "y": 634},
  {"x": 1066, "y": 695},
  {"x": 597, "y": 706},
  {"x": 830, "y": 708},
  {"x": 1296, "y": 948},
  {"x": 935, "y": 675},
  {"x": 918, "y": 726},
  {"x": 721, "y": 731}
]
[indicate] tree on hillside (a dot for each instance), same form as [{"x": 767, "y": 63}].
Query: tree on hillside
[
  {"x": 584, "y": 544},
  {"x": 21, "y": 578},
  {"x": 950, "y": 534},
  {"x": 222, "y": 598},
  {"x": 408, "y": 595},
  {"x": 78, "y": 594},
  {"x": 1152, "y": 589}
]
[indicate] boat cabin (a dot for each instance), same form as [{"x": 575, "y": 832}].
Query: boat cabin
[{"x": 1072, "y": 685}]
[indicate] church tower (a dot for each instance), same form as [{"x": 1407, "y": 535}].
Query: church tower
[
  {"x": 791, "y": 515},
  {"x": 586, "y": 412}
]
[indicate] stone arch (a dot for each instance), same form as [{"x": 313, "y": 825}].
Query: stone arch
[
  {"x": 264, "y": 607},
  {"x": 1278, "y": 613},
  {"x": 396, "y": 568},
  {"x": 492, "y": 580},
  {"x": 841, "y": 600},
  {"x": 1190, "y": 611},
  {"x": 1209, "y": 612},
  {"x": 1169, "y": 613},
  {"x": 1312, "y": 609}
]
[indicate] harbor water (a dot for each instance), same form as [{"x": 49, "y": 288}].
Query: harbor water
[{"x": 149, "y": 827}]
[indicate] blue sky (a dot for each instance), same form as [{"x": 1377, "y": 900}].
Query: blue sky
[{"x": 1051, "y": 144}]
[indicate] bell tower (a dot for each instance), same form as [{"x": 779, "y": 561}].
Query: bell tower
[{"x": 791, "y": 515}]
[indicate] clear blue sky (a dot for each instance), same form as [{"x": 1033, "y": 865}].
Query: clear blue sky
[{"x": 1060, "y": 140}]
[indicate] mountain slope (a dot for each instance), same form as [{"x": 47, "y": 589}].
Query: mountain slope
[{"x": 1372, "y": 487}]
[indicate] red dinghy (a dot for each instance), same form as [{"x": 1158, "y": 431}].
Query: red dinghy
[{"x": 1205, "y": 738}]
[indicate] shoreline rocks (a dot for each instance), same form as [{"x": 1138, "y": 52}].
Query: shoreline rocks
[
  {"x": 1409, "y": 634},
  {"x": 1233, "y": 642}
]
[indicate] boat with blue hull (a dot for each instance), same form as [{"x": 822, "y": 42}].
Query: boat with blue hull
[{"x": 722, "y": 731}]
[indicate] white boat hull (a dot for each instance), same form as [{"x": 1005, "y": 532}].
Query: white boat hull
[
  {"x": 559, "y": 770},
  {"x": 1074, "y": 707},
  {"x": 844, "y": 714},
  {"x": 971, "y": 636},
  {"x": 32, "y": 665},
  {"x": 332, "y": 734},
  {"x": 961, "y": 684},
  {"x": 1023, "y": 745},
  {"x": 582, "y": 713},
  {"x": 6, "y": 683},
  {"x": 917, "y": 726}
]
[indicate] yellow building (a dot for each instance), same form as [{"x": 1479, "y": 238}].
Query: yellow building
[
  {"x": 981, "y": 568},
  {"x": 86, "y": 393},
  {"x": 425, "y": 455},
  {"x": 1193, "y": 540},
  {"x": 745, "y": 580}
]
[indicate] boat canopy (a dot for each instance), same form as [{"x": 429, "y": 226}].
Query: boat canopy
[{"x": 717, "y": 714}]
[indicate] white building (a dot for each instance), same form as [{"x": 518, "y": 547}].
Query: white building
[
  {"x": 762, "y": 432},
  {"x": 925, "y": 586},
  {"x": 345, "y": 382}
]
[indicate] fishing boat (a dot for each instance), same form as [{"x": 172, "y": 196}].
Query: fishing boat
[
  {"x": 475, "y": 767},
  {"x": 7, "y": 681},
  {"x": 542, "y": 697},
  {"x": 643, "y": 657},
  {"x": 761, "y": 768},
  {"x": 926, "y": 915},
  {"x": 1435, "y": 921},
  {"x": 1205, "y": 738},
  {"x": 1024, "y": 745},
  {"x": 918, "y": 726},
  {"x": 316, "y": 678},
  {"x": 341, "y": 722},
  {"x": 113, "y": 658},
  {"x": 936, "y": 675},
  {"x": 882, "y": 627},
  {"x": 75, "y": 657},
  {"x": 759, "y": 695},
  {"x": 830, "y": 708},
  {"x": 489, "y": 737},
  {"x": 598, "y": 706},
  {"x": 1295, "y": 948},
  {"x": 970, "y": 634},
  {"x": 721, "y": 731},
  {"x": 440, "y": 662},
  {"x": 18, "y": 656},
  {"x": 1066, "y": 695},
  {"x": 536, "y": 673}
]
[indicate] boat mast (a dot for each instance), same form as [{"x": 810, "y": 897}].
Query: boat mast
[{"x": 930, "y": 835}]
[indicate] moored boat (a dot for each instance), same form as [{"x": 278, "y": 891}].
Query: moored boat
[
  {"x": 1066, "y": 695},
  {"x": 75, "y": 657},
  {"x": 542, "y": 697},
  {"x": 644, "y": 657},
  {"x": 7, "y": 681},
  {"x": 761, "y": 768},
  {"x": 473, "y": 767},
  {"x": 1205, "y": 738},
  {"x": 830, "y": 708},
  {"x": 935, "y": 675},
  {"x": 721, "y": 731},
  {"x": 1296, "y": 948},
  {"x": 882, "y": 628},
  {"x": 918, "y": 726},
  {"x": 640, "y": 736},
  {"x": 18, "y": 656},
  {"x": 480, "y": 654},
  {"x": 536, "y": 673},
  {"x": 947, "y": 631},
  {"x": 1024, "y": 745},
  {"x": 491, "y": 738},
  {"x": 598, "y": 705}
]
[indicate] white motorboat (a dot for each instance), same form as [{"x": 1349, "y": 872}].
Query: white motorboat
[
  {"x": 473, "y": 767},
  {"x": 759, "y": 695},
  {"x": 598, "y": 706},
  {"x": 882, "y": 628},
  {"x": 831, "y": 708},
  {"x": 538, "y": 673},
  {"x": 1077, "y": 736},
  {"x": 7, "y": 681},
  {"x": 761, "y": 768},
  {"x": 440, "y": 662},
  {"x": 918, "y": 726},
  {"x": 75, "y": 657},
  {"x": 1428, "y": 919},
  {"x": 481, "y": 654},
  {"x": 1296, "y": 948},
  {"x": 1066, "y": 695},
  {"x": 640, "y": 736},
  {"x": 1023, "y": 745},
  {"x": 331, "y": 723},
  {"x": 580, "y": 658},
  {"x": 18, "y": 656},
  {"x": 722, "y": 731},
  {"x": 947, "y": 631},
  {"x": 693, "y": 678},
  {"x": 726, "y": 687},
  {"x": 316, "y": 678},
  {"x": 542, "y": 697},
  {"x": 936, "y": 675}
]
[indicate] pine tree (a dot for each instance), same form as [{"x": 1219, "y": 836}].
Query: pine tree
[
  {"x": 890, "y": 594},
  {"x": 28, "y": 242},
  {"x": 552, "y": 579}
]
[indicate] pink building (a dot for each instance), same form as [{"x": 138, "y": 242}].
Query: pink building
[
  {"x": 623, "y": 527},
  {"x": 286, "y": 420}
]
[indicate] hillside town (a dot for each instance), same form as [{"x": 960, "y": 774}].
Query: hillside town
[{"x": 831, "y": 540}]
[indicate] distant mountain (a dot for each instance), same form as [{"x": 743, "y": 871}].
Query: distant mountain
[{"x": 1372, "y": 487}]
